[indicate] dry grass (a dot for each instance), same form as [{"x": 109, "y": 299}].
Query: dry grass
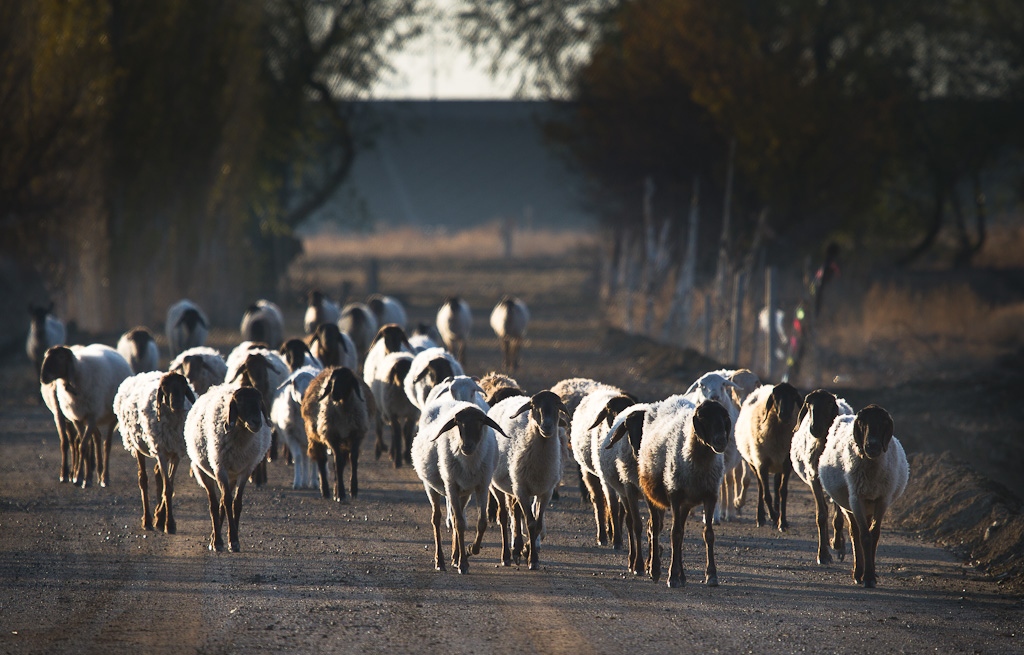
[{"x": 484, "y": 242}]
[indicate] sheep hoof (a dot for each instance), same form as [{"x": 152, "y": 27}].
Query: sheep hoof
[
  {"x": 475, "y": 549},
  {"x": 534, "y": 566},
  {"x": 675, "y": 583},
  {"x": 439, "y": 566},
  {"x": 171, "y": 529},
  {"x": 235, "y": 548},
  {"x": 219, "y": 548},
  {"x": 869, "y": 583},
  {"x": 711, "y": 581},
  {"x": 824, "y": 558}
]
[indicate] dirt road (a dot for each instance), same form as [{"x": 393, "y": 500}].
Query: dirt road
[{"x": 79, "y": 575}]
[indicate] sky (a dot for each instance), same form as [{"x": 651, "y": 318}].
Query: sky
[{"x": 436, "y": 66}]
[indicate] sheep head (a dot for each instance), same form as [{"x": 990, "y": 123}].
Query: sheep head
[
  {"x": 247, "y": 406},
  {"x": 190, "y": 318},
  {"x": 328, "y": 337},
  {"x": 711, "y": 424},
  {"x": 546, "y": 410},
  {"x": 471, "y": 422},
  {"x": 399, "y": 371},
  {"x": 821, "y": 406},
  {"x": 341, "y": 384},
  {"x": 39, "y": 315},
  {"x": 58, "y": 364},
  {"x": 611, "y": 409},
  {"x": 633, "y": 426},
  {"x": 501, "y": 393},
  {"x": 294, "y": 352},
  {"x": 314, "y": 298},
  {"x": 393, "y": 337},
  {"x": 172, "y": 392},
  {"x": 713, "y": 386},
  {"x": 437, "y": 370},
  {"x": 784, "y": 401},
  {"x": 872, "y": 431}
]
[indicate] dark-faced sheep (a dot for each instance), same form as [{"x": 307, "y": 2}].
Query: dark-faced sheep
[
  {"x": 44, "y": 331},
  {"x": 139, "y": 349},
  {"x": 336, "y": 417},
  {"x": 819, "y": 411},
  {"x": 227, "y": 432},
  {"x": 680, "y": 466},
  {"x": 187, "y": 327},
  {"x": 86, "y": 379},
  {"x": 319, "y": 309},
  {"x": 151, "y": 409},
  {"x": 764, "y": 435},
  {"x": 864, "y": 470},
  {"x": 263, "y": 322},
  {"x": 509, "y": 320}
]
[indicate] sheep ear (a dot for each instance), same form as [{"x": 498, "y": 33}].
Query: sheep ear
[
  {"x": 188, "y": 394},
  {"x": 803, "y": 412},
  {"x": 616, "y": 435},
  {"x": 600, "y": 419},
  {"x": 692, "y": 388},
  {"x": 202, "y": 321},
  {"x": 444, "y": 428},
  {"x": 525, "y": 408},
  {"x": 232, "y": 415},
  {"x": 494, "y": 424},
  {"x": 422, "y": 374},
  {"x": 328, "y": 387},
  {"x": 769, "y": 404},
  {"x": 266, "y": 412},
  {"x": 359, "y": 391},
  {"x": 237, "y": 374},
  {"x": 858, "y": 434}
]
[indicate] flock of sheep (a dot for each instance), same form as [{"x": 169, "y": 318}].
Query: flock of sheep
[{"x": 357, "y": 371}]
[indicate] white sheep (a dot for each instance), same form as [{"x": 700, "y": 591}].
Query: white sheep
[
  {"x": 619, "y": 473},
  {"x": 336, "y": 416},
  {"x": 66, "y": 433},
  {"x": 204, "y": 367},
  {"x": 429, "y": 368},
  {"x": 86, "y": 379},
  {"x": 139, "y": 349},
  {"x": 390, "y": 338},
  {"x": 286, "y": 417},
  {"x": 718, "y": 386},
  {"x": 529, "y": 468},
  {"x": 572, "y": 391},
  {"x": 454, "y": 322},
  {"x": 819, "y": 411},
  {"x": 509, "y": 320},
  {"x": 396, "y": 410},
  {"x": 227, "y": 432},
  {"x": 263, "y": 322},
  {"x": 387, "y": 309},
  {"x": 591, "y": 421},
  {"x": 44, "y": 331},
  {"x": 460, "y": 387},
  {"x": 319, "y": 309},
  {"x": 297, "y": 355},
  {"x": 151, "y": 408},
  {"x": 252, "y": 365},
  {"x": 680, "y": 466},
  {"x": 764, "y": 434},
  {"x": 454, "y": 454},
  {"x": 187, "y": 327},
  {"x": 864, "y": 470},
  {"x": 359, "y": 323}
]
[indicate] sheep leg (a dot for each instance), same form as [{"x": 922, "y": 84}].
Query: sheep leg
[
  {"x": 353, "y": 458},
  {"x": 435, "y": 521},
  {"x": 504, "y": 520},
  {"x": 396, "y": 444},
  {"x": 378, "y": 445},
  {"x": 492, "y": 507},
  {"x": 482, "y": 498},
  {"x": 339, "y": 470},
  {"x": 160, "y": 515},
  {"x": 460, "y": 562},
  {"x": 216, "y": 543},
  {"x": 236, "y": 513},
  {"x": 838, "y": 527},
  {"x": 534, "y": 527},
  {"x": 318, "y": 453},
  {"x": 742, "y": 482},
  {"x": 63, "y": 426},
  {"x": 147, "y": 519},
  {"x": 633, "y": 524},
  {"x": 597, "y": 497},
  {"x": 858, "y": 553},
  {"x": 871, "y": 547},
  {"x": 168, "y": 467},
  {"x": 676, "y": 573},
  {"x": 783, "y": 493},
  {"x": 87, "y": 447},
  {"x": 105, "y": 478},
  {"x": 519, "y": 547},
  {"x": 821, "y": 521},
  {"x": 765, "y": 498},
  {"x": 584, "y": 491},
  {"x": 654, "y": 536},
  {"x": 617, "y": 512}
]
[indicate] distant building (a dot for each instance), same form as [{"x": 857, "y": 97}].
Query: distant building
[{"x": 456, "y": 164}]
